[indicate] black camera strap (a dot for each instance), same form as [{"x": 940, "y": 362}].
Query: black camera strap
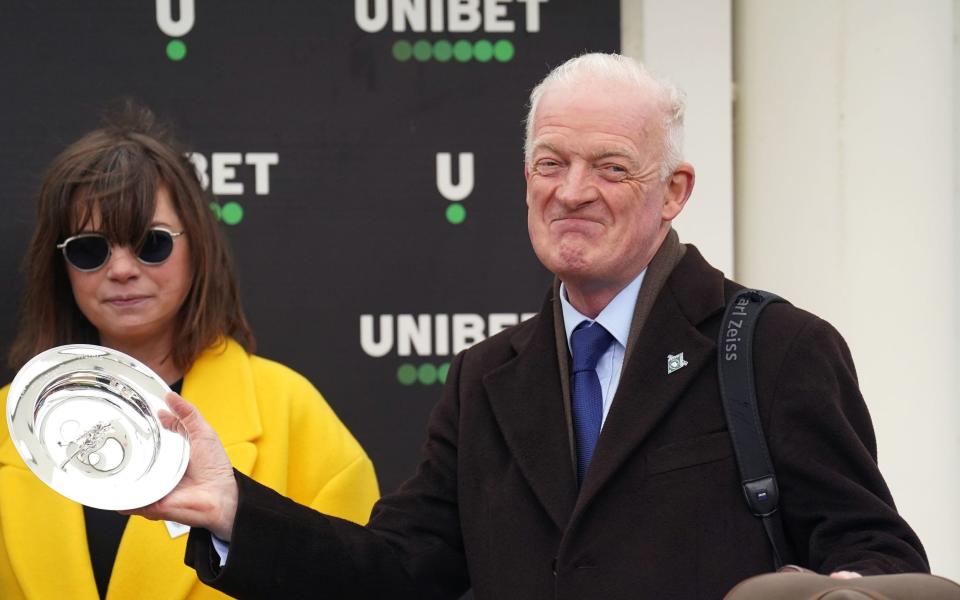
[{"x": 738, "y": 391}]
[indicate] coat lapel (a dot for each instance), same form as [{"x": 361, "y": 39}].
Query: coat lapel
[
  {"x": 647, "y": 391},
  {"x": 527, "y": 401}
]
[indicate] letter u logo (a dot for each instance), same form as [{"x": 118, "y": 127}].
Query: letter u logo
[
  {"x": 449, "y": 190},
  {"x": 181, "y": 26}
]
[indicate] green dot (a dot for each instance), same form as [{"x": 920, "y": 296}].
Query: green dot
[
  {"x": 503, "y": 50},
  {"x": 463, "y": 51},
  {"x": 407, "y": 374},
  {"x": 456, "y": 213},
  {"x": 422, "y": 50},
  {"x": 442, "y": 372},
  {"x": 215, "y": 209},
  {"x": 483, "y": 50},
  {"x": 402, "y": 50},
  {"x": 176, "y": 50},
  {"x": 442, "y": 51},
  {"x": 427, "y": 374},
  {"x": 231, "y": 213}
]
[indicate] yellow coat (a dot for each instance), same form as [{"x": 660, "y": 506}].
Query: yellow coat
[{"x": 276, "y": 428}]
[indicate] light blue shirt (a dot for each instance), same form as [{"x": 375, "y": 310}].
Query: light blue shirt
[
  {"x": 616, "y": 318},
  {"x": 222, "y": 548}
]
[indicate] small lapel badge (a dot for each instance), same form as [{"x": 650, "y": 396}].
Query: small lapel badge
[{"x": 675, "y": 362}]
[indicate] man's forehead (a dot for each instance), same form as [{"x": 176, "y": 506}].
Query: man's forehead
[
  {"x": 601, "y": 124},
  {"x": 612, "y": 106}
]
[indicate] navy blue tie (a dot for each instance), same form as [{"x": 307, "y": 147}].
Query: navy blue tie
[{"x": 588, "y": 343}]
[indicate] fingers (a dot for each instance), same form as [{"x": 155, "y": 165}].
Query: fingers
[
  {"x": 845, "y": 575},
  {"x": 182, "y": 411},
  {"x": 793, "y": 569},
  {"x": 184, "y": 418},
  {"x": 144, "y": 511},
  {"x": 180, "y": 407},
  {"x": 169, "y": 421}
]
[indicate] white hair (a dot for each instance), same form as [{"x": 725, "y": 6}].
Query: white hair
[{"x": 619, "y": 69}]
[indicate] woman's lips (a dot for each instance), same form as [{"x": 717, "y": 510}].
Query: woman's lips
[{"x": 126, "y": 301}]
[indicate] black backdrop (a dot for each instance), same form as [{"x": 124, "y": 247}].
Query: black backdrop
[{"x": 320, "y": 124}]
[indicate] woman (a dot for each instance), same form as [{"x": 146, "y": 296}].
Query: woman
[{"x": 127, "y": 254}]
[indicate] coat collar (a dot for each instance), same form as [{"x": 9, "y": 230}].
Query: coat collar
[
  {"x": 670, "y": 253},
  {"x": 692, "y": 293},
  {"x": 220, "y": 383},
  {"x": 44, "y": 533},
  {"x": 530, "y": 400}
]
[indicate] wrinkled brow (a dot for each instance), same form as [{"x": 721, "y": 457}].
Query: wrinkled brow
[
  {"x": 595, "y": 155},
  {"x": 540, "y": 145},
  {"x": 614, "y": 152}
]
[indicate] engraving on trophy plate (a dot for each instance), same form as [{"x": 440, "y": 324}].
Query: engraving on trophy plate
[{"x": 101, "y": 447}]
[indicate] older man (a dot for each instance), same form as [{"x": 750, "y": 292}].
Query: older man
[{"x": 565, "y": 460}]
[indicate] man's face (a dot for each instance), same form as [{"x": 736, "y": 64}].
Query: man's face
[{"x": 597, "y": 209}]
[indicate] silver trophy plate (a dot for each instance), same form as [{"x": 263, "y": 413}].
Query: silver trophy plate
[{"x": 85, "y": 420}]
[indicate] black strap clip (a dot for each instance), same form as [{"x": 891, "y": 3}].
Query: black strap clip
[{"x": 762, "y": 495}]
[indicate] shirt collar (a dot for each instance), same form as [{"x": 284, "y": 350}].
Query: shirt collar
[{"x": 615, "y": 316}]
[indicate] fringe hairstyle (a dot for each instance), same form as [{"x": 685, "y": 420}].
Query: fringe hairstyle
[{"x": 115, "y": 171}]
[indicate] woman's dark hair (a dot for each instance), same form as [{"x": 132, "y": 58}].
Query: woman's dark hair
[{"x": 115, "y": 172}]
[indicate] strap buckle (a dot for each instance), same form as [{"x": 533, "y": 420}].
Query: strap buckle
[{"x": 762, "y": 495}]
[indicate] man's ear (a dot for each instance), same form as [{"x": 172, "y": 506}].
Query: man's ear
[{"x": 679, "y": 188}]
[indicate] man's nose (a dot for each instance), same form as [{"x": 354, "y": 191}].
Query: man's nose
[
  {"x": 122, "y": 263},
  {"x": 577, "y": 187}
]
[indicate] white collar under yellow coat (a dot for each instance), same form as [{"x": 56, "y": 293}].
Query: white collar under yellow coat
[{"x": 43, "y": 533}]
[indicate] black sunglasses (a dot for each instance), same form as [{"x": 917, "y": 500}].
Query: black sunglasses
[{"x": 90, "y": 251}]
